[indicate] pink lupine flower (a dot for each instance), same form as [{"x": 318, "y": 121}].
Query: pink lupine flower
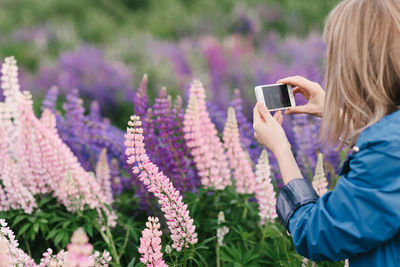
[
  {"x": 13, "y": 194},
  {"x": 50, "y": 260},
  {"x": 239, "y": 159},
  {"x": 150, "y": 244},
  {"x": 175, "y": 211},
  {"x": 265, "y": 193},
  {"x": 5, "y": 257},
  {"x": 103, "y": 175},
  {"x": 62, "y": 258},
  {"x": 33, "y": 157},
  {"x": 320, "y": 183},
  {"x": 9, "y": 251},
  {"x": 101, "y": 260},
  {"x": 79, "y": 251},
  {"x": 206, "y": 147}
]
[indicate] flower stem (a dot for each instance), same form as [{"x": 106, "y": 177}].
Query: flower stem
[
  {"x": 28, "y": 247},
  {"x": 245, "y": 208},
  {"x": 114, "y": 252},
  {"x": 217, "y": 253}
]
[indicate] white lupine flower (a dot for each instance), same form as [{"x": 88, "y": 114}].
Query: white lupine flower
[
  {"x": 221, "y": 231},
  {"x": 320, "y": 183}
]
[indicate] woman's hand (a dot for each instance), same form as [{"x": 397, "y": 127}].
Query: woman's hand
[
  {"x": 268, "y": 130},
  {"x": 312, "y": 91}
]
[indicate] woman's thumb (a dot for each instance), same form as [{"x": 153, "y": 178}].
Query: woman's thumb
[{"x": 264, "y": 111}]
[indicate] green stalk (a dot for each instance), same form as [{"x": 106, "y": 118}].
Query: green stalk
[
  {"x": 28, "y": 247},
  {"x": 217, "y": 253},
  {"x": 114, "y": 252},
  {"x": 125, "y": 243},
  {"x": 245, "y": 208}
]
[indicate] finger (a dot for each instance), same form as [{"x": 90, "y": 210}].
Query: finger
[
  {"x": 256, "y": 115},
  {"x": 298, "y": 110},
  {"x": 280, "y": 119},
  {"x": 299, "y": 81},
  {"x": 277, "y": 114},
  {"x": 264, "y": 112},
  {"x": 298, "y": 90}
]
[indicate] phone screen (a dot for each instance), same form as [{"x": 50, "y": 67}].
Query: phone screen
[{"x": 276, "y": 96}]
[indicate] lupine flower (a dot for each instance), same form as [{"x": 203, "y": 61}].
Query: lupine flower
[
  {"x": 320, "y": 183},
  {"x": 217, "y": 116},
  {"x": 170, "y": 152},
  {"x": 85, "y": 135},
  {"x": 9, "y": 251},
  {"x": 79, "y": 250},
  {"x": 150, "y": 244},
  {"x": 101, "y": 260},
  {"x": 305, "y": 137},
  {"x": 73, "y": 256},
  {"x": 221, "y": 230},
  {"x": 140, "y": 101},
  {"x": 217, "y": 66},
  {"x": 103, "y": 175},
  {"x": 50, "y": 260},
  {"x": 5, "y": 257},
  {"x": 202, "y": 139},
  {"x": 175, "y": 211},
  {"x": 306, "y": 263},
  {"x": 50, "y": 100},
  {"x": 265, "y": 193},
  {"x": 35, "y": 158},
  {"x": 117, "y": 182},
  {"x": 239, "y": 159},
  {"x": 87, "y": 69},
  {"x": 245, "y": 127}
]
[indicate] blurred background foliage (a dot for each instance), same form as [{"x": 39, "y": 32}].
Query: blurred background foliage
[{"x": 128, "y": 38}]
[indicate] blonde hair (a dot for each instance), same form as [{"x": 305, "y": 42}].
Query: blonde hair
[{"x": 363, "y": 66}]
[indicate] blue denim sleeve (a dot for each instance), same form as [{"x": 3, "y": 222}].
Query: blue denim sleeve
[
  {"x": 294, "y": 195},
  {"x": 361, "y": 213}
]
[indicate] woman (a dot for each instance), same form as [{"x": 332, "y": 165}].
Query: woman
[{"x": 360, "y": 218}]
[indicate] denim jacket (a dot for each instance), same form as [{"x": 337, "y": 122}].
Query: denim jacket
[{"x": 360, "y": 218}]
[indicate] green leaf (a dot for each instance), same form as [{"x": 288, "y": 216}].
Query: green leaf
[
  {"x": 52, "y": 233},
  {"x": 23, "y": 229},
  {"x": 36, "y": 227},
  {"x": 89, "y": 229},
  {"x": 58, "y": 238},
  {"x": 131, "y": 263},
  {"x": 18, "y": 219}
]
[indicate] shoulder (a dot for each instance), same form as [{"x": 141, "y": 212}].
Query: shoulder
[
  {"x": 377, "y": 163},
  {"x": 383, "y": 135}
]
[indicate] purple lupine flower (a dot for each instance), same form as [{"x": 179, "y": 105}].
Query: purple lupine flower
[
  {"x": 246, "y": 131},
  {"x": 85, "y": 135},
  {"x": 217, "y": 66},
  {"x": 175, "y": 54},
  {"x": 305, "y": 141},
  {"x": 50, "y": 100},
  {"x": 217, "y": 115},
  {"x": 172, "y": 155},
  {"x": 97, "y": 78},
  {"x": 74, "y": 128},
  {"x": 140, "y": 102},
  {"x": 117, "y": 184}
]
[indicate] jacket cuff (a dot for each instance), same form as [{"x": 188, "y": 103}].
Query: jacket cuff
[{"x": 295, "y": 194}]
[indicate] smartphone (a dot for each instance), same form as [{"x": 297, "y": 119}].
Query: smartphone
[{"x": 275, "y": 96}]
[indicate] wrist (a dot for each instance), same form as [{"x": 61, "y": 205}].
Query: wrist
[{"x": 283, "y": 152}]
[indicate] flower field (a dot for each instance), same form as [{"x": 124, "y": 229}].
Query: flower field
[{"x": 104, "y": 165}]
